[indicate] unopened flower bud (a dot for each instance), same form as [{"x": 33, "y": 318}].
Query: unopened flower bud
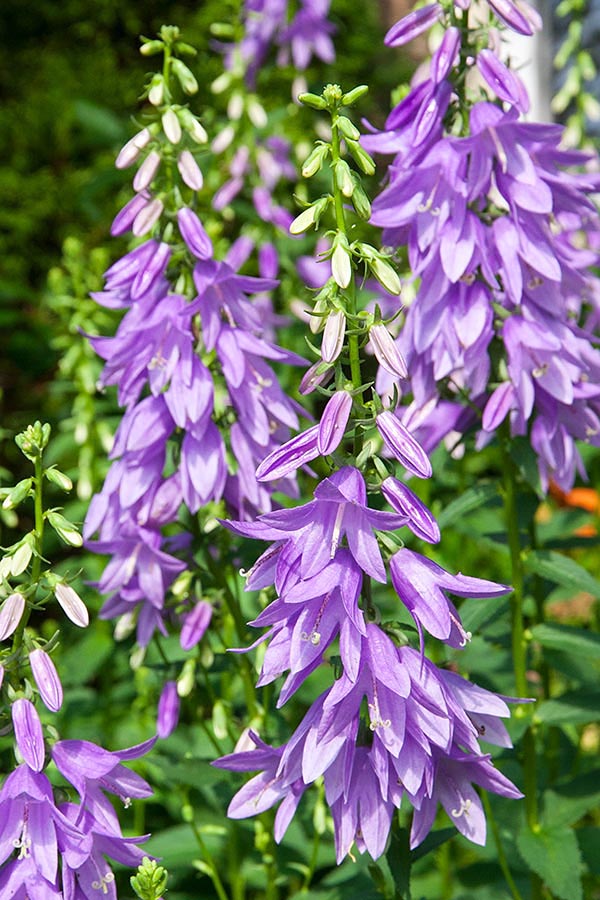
[
  {"x": 125, "y": 218},
  {"x": 313, "y": 100},
  {"x": 386, "y": 351},
  {"x": 131, "y": 150},
  {"x": 171, "y": 126},
  {"x": 318, "y": 375},
  {"x": 310, "y": 216},
  {"x": 333, "y": 336},
  {"x": 348, "y": 129},
  {"x": 72, "y": 604},
  {"x": 46, "y": 679},
  {"x": 386, "y": 275},
  {"x": 28, "y": 733},
  {"x": 403, "y": 445},
  {"x": 190, "y": 170},
  {"x": 403, "y": 500},
  {"x": 224, "y": 138},
  {"x": 156, "y": 93},
  {"x": 333, "y": 422},
  {"x": 315, "y": 160},
  {"x": 341, "y": 267},
  {"x": 147, "y": 218},
  {"x": 187, "y": 678},
  {"x": 146, "y": 172},
  {"x": 193, "y": 233},
  {"x": 186, "y": 79},
  {"x": 343, "y": 177},
  {"x": 168, "y": 710},
  {"x": 257, "y": 114},
  {"x": 22, "y": 555},
  {"x": 354, "y": 95},
  {"x": 151, "y": 48},
  {"x": 59, "y": 478},
  {"x": 195, "y": 624},
  {"x": 64, "y": 529},
  {"x": 290, "y": 457},
  {"x": 17, "y": 494},
  {"x": 11, "y": 612},
  {"x": 361, "y": 157},
  {"x": 193, "y": 127},
  {"x": 360, "y": 200}
]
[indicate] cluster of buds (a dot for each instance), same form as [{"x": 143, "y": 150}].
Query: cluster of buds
[{"x": 171, "y": 131}]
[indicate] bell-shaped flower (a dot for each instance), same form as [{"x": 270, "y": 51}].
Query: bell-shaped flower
[{"x": 422, "y": 586}]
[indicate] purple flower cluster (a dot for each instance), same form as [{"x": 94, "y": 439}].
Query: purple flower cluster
[
  {"x": 501, "y": 237},
  {"x": 202, "y": 403},
  {"x": 420, "y": 736},
  {"x": 37, "y": 832},
  {"x": 267, "y": 25}
]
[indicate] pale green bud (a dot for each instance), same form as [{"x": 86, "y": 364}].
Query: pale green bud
[
  {"x": 185, "y": 77},
  {"x": 150, "y": 883},
  {"x": 341, "y": 267},
  {"x": 348, "y": 129},
  {"x": 361, "y": 157},
  {"x": 18, "y": 493},
  {"x": 64, "y": 529},
  {"x": 343, "y": 177},
  {"x": 151, "y": 48},
  {"x": 315, "y": 160},
  {"x": 354, "y": 95},
  {"x": 156, "y": 92},
  {"x": 312, "y": 100},
  {"x": 59, "y": 478},
  {"x": 385, "y": 275},
  {"x": 309, "y": 216},
  {"x": 22, "y": 555}
]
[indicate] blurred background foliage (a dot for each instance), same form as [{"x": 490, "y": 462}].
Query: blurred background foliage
[
  {"x": 70, "y": 83},
  {"x": 69, "y": 86}
]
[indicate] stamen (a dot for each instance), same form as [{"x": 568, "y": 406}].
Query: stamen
[
  {"x": 104, "y": 881},
  {"x": 465, "y": 635},
  {"x": 314, "y": 637},
  {"x": 376, "y": 720},
  {"x": 23, "y": 844},
  {"x": 465, "y": 806}
]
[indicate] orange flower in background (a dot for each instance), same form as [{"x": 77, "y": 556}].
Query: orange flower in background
[{"x": 579, "y": 498}]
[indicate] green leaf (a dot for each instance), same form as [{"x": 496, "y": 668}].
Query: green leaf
[
  {"x": 576, "y": 641},
  {"x": 399, "y": 860},
  {"x": 553, "y": 853},
  {"x": 473, "y": 498},
  {"x": 525, "y": 459},
  {"x": 567, "y": 803},
  {"x": 433, "y": 840},
  {"x": 572, "y": 708},
  {"x": 561, "y": 570}
]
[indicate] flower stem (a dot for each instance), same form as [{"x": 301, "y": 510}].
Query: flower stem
[
  {"x": 214, "y": 872},
  {"x": 519, "y": 644},
  {"x": 340, "y": 220},
  {"x": 502, "y": 860}
]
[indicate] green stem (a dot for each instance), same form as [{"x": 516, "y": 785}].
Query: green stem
[
  {"x": 214, "y": 872},
  {"x": 502, "y": 860},
  {"x": 519, "y": 645},
  {"x": 353, "y": 337},
  {"x": 36, "y": 566}
]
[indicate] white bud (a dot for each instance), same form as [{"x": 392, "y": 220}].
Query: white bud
[
  {"x": 171, "y": 126},
  {"x": 72, "y": 604},
  {"x": 223, "y": 139},
  {"x": 190, "y": 171},
  {"x": 130, "y": 152},
  {"x": 257, "y": 114},
  {"x": 235, "y": 107},
  {"x": 341, "y": 268},
  {"x": 146, "y": 172}
]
